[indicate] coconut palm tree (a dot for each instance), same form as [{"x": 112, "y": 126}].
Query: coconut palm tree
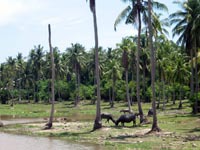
[
  {"x": 11, "y": 63},
  {"x": 76, "y": 60},
  {"x": 135, "y": 14},
  {"x": 126, "y": 46},
  {"x": 20, "y": 68},
  {"x": 113, "y": 73},
  {"x": 36, "y": 61},
  {"x": 187, "y": 26},
  {"x": 180, "y": 73},
  {"x": 97, "y": 122},
  {"x": 153, "y": 69}
]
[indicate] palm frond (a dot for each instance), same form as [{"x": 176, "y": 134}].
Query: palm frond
[
  {"x": 159, "y": 6},
  {"x": 122, "y": 16}
]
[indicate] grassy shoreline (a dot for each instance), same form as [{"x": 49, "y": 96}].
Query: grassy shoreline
[{"x": 180, "y": 129}]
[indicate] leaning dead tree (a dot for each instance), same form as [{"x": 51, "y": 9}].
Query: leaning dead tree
[{"x": 50, "y": 123}]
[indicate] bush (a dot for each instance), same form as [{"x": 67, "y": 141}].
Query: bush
[{"x": 86, "y": 92}]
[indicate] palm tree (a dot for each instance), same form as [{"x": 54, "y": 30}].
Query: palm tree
[
  {"x": 20, "y": 68},
  {"x": 126, "y": 46},
  {"x": 153, "y": 69},
  {"x": 36, "y": 61},
  {"x": 76, "y": 60},
  {"x": 97, "y": 122},
  {"x": 59, "y": 66},
  {"x": 113, "y": 73},
  {"x": 187, "y": 28},
  {"x": 27, "y": 79},
  {"x": 132, "y": 15},
  {"x": 181, "y": 73},
  {"x": 11, "y": 62}
]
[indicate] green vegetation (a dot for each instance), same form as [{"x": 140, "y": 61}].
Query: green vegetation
[
  {"x": 180, "y": 129},
  {"x": 121, "y": 76}
]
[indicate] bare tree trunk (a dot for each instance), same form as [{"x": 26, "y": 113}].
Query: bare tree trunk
[
  {"x": 144, "y": 85},
  {"x": 127, "y": 92},
  {"x": 163, "y": 90},
  {"x": 97, "y": 122},
  {"x": 76, "y": 91},
  {"x": 110, "y": 98},
  {"x": 153, "y": 69},
  {"x": 180, "y": 97},
  {"x": 50, "y": 123},
  {"x": 174, "y": 97},
  {"x": 77, "y": 70},
  {"x": 113, "y": 93},
  {"x": 137, "y": 64},
  {"x": 79, "y": 82},
  {"x": 196, "y": 80},
  {"x": 131, "y": 96},
  {"x": 159, "y": 98},
  {"x": 192, "y": 75}
]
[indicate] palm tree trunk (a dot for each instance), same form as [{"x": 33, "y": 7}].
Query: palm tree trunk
[
  {"x": 196, "y": 80},
  {"x": 50, "y": 123},
  {"x": 137, "y": 65},
  {"x": 131, "y": 96},
  {"x": 159, "y": 97},
  {"x": 127, "y": 92},
  {"x": 192, "y": 75},
  {"x": 153, "y": 69},
  {"x": 174, "y": 95},
  {"x": 113, "y": 92},
  {"x": 78, "y": 87},
  {"x": 110, "y": 98},
  {"x": 180, "y": 97},
  {"x": 97, "y": 122},
  {"x": 163, "y": 92},
  {"x": 76, "y": 94}
]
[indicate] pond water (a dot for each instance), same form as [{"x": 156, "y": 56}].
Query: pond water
[
  {"x": 21, "y": 142},
  {"x": 8, "y": 119}
]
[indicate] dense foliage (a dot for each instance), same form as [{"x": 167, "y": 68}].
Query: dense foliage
[{"x": 28, "y": 78}]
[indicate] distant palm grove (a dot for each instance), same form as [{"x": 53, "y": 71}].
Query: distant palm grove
[{"x": 141, "y": 68}]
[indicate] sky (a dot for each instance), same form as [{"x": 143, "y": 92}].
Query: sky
[{"x": 24, "y": 24}]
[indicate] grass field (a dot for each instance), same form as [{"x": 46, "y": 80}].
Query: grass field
[{"x": 180, "y": 128}]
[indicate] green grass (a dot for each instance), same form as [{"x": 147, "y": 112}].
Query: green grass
[{"x": 180, "y": 129}]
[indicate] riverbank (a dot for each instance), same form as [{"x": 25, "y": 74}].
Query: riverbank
[{"x": 180, "y": 129}]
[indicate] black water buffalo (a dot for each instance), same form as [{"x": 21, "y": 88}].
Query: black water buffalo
[
  {"x": 125, "y": 118},
  {"x": 150, "y": 112},
  {"x": 108, "y": 117}
]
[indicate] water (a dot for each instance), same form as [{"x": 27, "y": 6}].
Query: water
[
  {"x": 8, "y": 120},
  {"x": 21, "y": 142}
]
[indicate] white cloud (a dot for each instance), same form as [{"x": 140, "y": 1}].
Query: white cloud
[{"x": 11, "y": 9}]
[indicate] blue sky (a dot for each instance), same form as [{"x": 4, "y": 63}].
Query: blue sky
[{"x": 23, "y": 24}]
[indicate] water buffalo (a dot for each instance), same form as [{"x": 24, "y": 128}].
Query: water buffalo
[
  {"x": 108, "y": 117},
  {"x": 126, "y": 118},
  {"x": 150, "y": 112}
]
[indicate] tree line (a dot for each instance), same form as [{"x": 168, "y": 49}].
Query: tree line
[{"x": 126, "y": 72}]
